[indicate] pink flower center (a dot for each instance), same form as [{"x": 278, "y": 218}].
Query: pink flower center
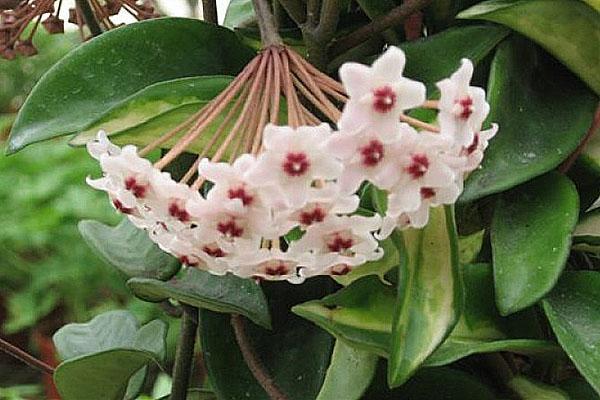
[
  {"x": 372, "y": 153},
  {"x": 242, "y": 194},
  {"x": 296, "y": 164},
  {"x": 177, "y": 210},
  {"x": 188, "y": 261},
  {"x": 317, "y": 214},
  {"x": 213, "y": 251},
  {"x": 473, "y": 146},
  {"x": 427, "y": 193},
  {"x": 277, "y": 269},
  {"x": 340, "y": 269},
  {"x": 339, "y": 244},
  {"x": 384, "y": 99},
  {"x": 230, "y": 228},
  {"x": 418, "y": 166},
  {"x": 121, "y": 208},
  {"x": 137, "y": 188},
  {"x": 465, "y": 108}
]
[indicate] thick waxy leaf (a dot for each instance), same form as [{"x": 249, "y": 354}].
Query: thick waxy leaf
[
  {"x": 472, "y": 42},
  {"x": 578, "y": 389},
  {"x": 587, "y": 233},
  {"x": 380, "y": 267},
  {"x": 482, "y": 330},
  {"x": 196, "y": 394},
  {"x": 114, "y": 348},
  {"x": 531, "y": 239},
  {"x": 568, "y": 30},
  {"x": 100, "y": 376},
  {"x": 129, "y": 249},
  {"x": 429, "y": 293},
  {"x": 295, "y": 353},
  {"x": 349, "y": 374},
  {"x": 360, "y": 315},
  {"x": 225, "y": 294},
  {"x": 528, "y": 389},
  {"x": 433, "y": 383},
  {"x": 154, "y": 102},
  {"x": 543, "y": 112},
  {"x": 470, "y": 246},
  {"x": 240, "y": 13},
  {"x": 108, "y": 69},
  {"x": 573, "y": 309}
]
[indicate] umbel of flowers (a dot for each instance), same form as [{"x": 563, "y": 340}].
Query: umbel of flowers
[{"x": 304, "y": 179}]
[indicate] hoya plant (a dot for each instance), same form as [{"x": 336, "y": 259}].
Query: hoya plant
[{"x": 340, "y": 199}]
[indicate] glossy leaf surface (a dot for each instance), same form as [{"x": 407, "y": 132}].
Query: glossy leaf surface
[
  {"x": 573, "y": 309},
  {"x": 379, "y": 268},
  {"x": 226, "y": 294},
  {"x": 103, "y": 72},
  {"x": 295, "y": 352},
  {"x": 129, "y": 249},
  {"x": 568, "y": 30},
  {"x": 531, "y": 239},
  {"x": 543, "y": 112},
  {"x": 429, "y": 294}
]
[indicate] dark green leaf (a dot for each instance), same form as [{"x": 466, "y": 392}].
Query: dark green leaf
[
  {"x": 528, "y": 389},
  {"x": 155, "y": 102},
  {"x": 197, "y": 394},
  {"x": 531, "y": 239},
  {"x": 110, "y": 68},
  {"x": 349, "y": 374},
  {"x": 587, "y": 233},
  {"x": 360, "y": 314},
  {"x": 295, "y": 353},
  {"x": 569, "y": 30},
  {"x": 429, "y": 294},
  {"x": 225, "y": 294},
  {"x": 543, "y": 112},
  {"x": 578, "y": 389},
  {"x": 573, "y": 309},
  {"x": 129, "y": 249}
]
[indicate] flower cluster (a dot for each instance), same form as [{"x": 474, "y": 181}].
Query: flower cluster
[{"x": 291, "y": 212}]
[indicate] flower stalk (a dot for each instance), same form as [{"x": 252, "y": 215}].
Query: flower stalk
[{"x": 184, "y": 355}]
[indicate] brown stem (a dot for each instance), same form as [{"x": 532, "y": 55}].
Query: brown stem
[
  {"x": 209, "y": 11},
  {"x": 417, "y": 123},
  {"x": 253, "y": 361},
  {"x": 378, "y": 25},
  {"x": 586, "y": 139},
  {"x": 25, "y": 357},
  {"x": 8, "y": 4},
  {"x": 266, "y": 23},
  {"x": 295, "y": 10}
]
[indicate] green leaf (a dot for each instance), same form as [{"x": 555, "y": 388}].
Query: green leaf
[
  {"x": 434, "y": 383},
  {"x": 573, "y": 309},
  {"x": 587, "y": 233},
  {"x": 569, "y": 30},
  {"x": 377, "y": 8},
  {"x": 86, "y": 83},
  {"x": 469, "y": 247},
  {"x": 129, "y": 249},
  {"x": 578, "y": 389},
  {"x": 429, "y": 294},
  {"x": 359, "y": 315},
  {"x": 543, "y": 113},
  {"x": 104, "y": 343},
  {"x": 481, "y": 329},
  {"x": 100, "y": 376},
  {"x": 591, "y": 154},
  {"x": 225, "y": 294},
  {"x": 531, "y": 239},
  {"x": 349, "y": 374},
  {"x": 196, "y": 394},
  {"x": 154, "y": 102},
  {"x": 240, "y": 13},
  {"x": 295, "y": 353},
  {"x": 528, "y": 389},
  {"x": 380, "y": 267}
]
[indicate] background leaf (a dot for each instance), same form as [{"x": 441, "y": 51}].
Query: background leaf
[
  {"x": 543, "y": 113},
  {"x": 429, "y": 294},
  {"x": 551, "y": 24},
  {"x": 103, "y": 72},
  {"x": 573, "y": 309},
  {"x": 225, "y": 294},
  {"x": 531, "y": 239}
]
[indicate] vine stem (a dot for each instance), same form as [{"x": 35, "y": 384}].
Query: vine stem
[
  {"x": 378, "y": 25},
  {"x": 89, "y": 17},
  {"x": 25, "y": 357},
  {"x": 252, "y": 360},
  {"x": 266, "y": 23},
  {"x": 184, "y": 355},
  {"x": 588, "y": 136}
]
